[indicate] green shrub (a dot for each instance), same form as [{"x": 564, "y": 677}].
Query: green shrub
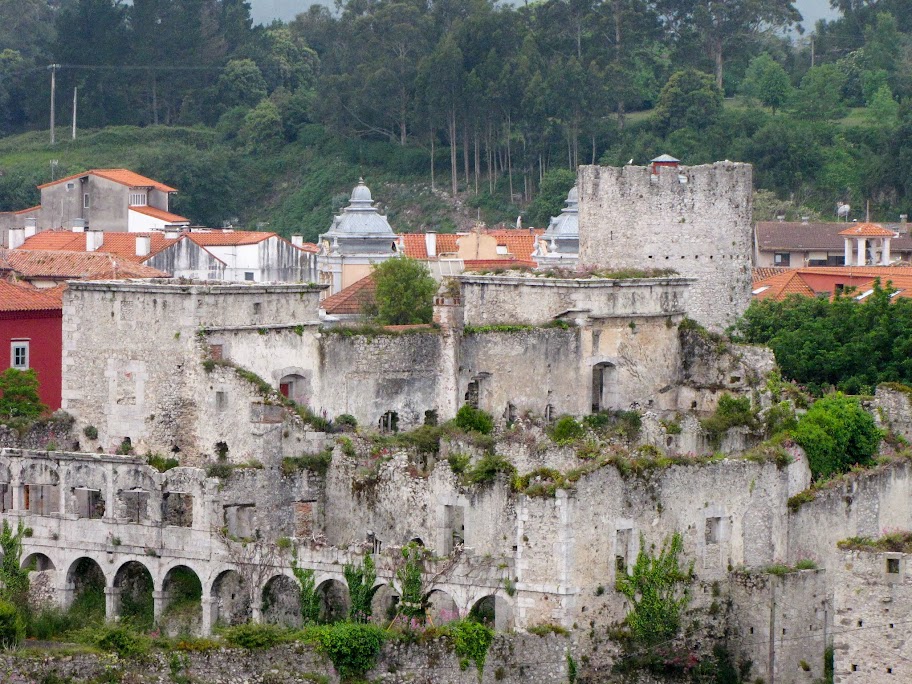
[
  {"x": 627, "y": 424},
  {"x": 471, "y": 640},
  {"x": 471, "y": 419},
  {"x": 545, "y": 630},
  {"x": 90, "y": 431},
  {"x": 459, "y": 463},
  {"x": 256, "y": 635},
  {"x": 122, "y": 640},
  {"x": 12, "y": 626},
  {"x": 487, "y": 470},
  {"x": 19, "y": 394},
  {"x": 837, "y": 433},
  {"x": 730, "y": 412},
  {"x": 316, "y": 463},
  {"x": 352, "y": 648},
  {"x": 346, "y": 420},
  {"x": 566, "y": 430},
  {"x": 160, "y": 463}
]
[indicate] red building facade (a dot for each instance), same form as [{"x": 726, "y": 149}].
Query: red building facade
[{"x": 31, "y": 335}]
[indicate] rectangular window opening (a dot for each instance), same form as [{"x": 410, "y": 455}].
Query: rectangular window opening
[
  {"x": 893, "y": 566},
  {"x": 713, "y": 530},
  {"x": 19, "y": 355}
]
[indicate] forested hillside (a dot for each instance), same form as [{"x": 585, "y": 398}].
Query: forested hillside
[{"x": 458, "y": 108}]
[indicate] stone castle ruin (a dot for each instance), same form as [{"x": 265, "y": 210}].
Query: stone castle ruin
[{"x": 239, "y": 384}]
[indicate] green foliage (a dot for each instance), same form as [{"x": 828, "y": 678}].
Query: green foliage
[
  {"x": 471, "y": 640},
  {"x": 346, "y": 420},
  {"x": 253, "y": 635},
  {"x": 12, "y": 626},
  {"x": 767, "y": 81},
  {"x": 360, "y": 580},
  {"x": 627, "y": 424},
  {"x": 352, "y": 648},
  {"x": 316, "y": 463},
  {"x": 690, "y": 99},
  {"x": 90, "y": 431},
  {"x": 545, "y": 630},
  {"x": 14, "y": 580},
  {"x": 552, "y": 195},
  {"x": 459, "y": 463},
  {"x": 309, "y": 599},
  {"x": 411, "y": 584},
  {"x": 836, "y": 433},
  {"x": 19, "y": 394},
  {"x": 657, "y": 590},
  {"x": 487, "y": 469},
  {"x": 730, "y": 412},
  {"x": 820, "y": 94},
  {"x": 161, "y": 463},
  {"x": 567, "y": 430},
  {"x": 821, "y": 344},
  {"x": 262, "y": 129},
  {"x": 472, "y": 419},
  {"x": 120, "y": 639},
  {"x": 897, "y": 541},
  {"x": 404, "y": 292}
]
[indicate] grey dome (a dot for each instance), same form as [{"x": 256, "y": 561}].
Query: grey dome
[
  {"x": 566, "y": 225},
  {"x": 361, "y": 194},
  {"x": 360, "y": 219}
]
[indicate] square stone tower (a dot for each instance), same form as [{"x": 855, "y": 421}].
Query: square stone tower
[{"x": 695, "y": 220}]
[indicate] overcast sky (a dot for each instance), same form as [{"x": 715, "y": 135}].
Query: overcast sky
[{"x": 265, "y": 11}]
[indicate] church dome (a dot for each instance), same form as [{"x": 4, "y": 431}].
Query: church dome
[
  {"x": 567, "y": 224},
  {"x": 360, "y": 219},
  {"x": 361, "y": 194}
]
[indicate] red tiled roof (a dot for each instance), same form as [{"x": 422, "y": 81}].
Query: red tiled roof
[
  {"x": 159, "y": 214},
  {"x": 764, "y": 272},
  {"x": 520, "y": 243},
  {"x": 782, "y": 285},
  {"x": 29, "y": 210},
  {"x": 793, "y": 236},
  {"x": 62, "y": 264},
  {"x": 229, "y": 238},
  {"x": 18, "y": 296},
  {"x": 309, "y": 247},
  {"x": 121, "y": 244},
  {"x": 352, "y": 299},
  {"x": 867, "y": 230},
  {"x": 122, "y": 176}
]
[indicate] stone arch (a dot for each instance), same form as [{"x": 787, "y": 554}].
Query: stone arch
[
  {"x": 493, "y": 610},
  {"x": 334, "y": 600},
  {"x": 230, "y": 599},
  {"x": 41, "y": 562},
  {"x": 85, "y": 584},
  {"x": 441, "y": 607},
  {"x": 134, "y": 589},
  {"x": 182, "y": 609},
  {"x": 281, "y": 599},
  {"x": 384, "y": 600},
  {"x": 604, "y": 386},
  {"x": 294, "y": 383}
]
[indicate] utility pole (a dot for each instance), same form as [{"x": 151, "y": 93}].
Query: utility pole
[
  {"x": 75, "y": 89},
  {"x": 53, "y": 69}
]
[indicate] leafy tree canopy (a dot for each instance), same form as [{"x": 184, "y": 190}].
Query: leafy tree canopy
[
  {"x": 19, "y": 394},
  {"x": 404, "y": 292}
]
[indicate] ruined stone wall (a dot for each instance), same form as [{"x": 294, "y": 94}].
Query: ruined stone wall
[
  {"x": 537, "y": 300},
  {"x": 695, "y": 220},
  {"x": 55, "y": 432},
  {"x": 860, "y": 505},
  {"x": 511, "y": 659},
  {"x": 873, "y": 609},
  {"x": 792, "y": 609},
  {"x": 893, "y": 410},
  {"x": 132, "y": 359}
]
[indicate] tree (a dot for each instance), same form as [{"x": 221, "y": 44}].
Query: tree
[
  {"x": 820, "y": 94},
  {"x": 262, "y": 129},
  {"x": 728, "y": 25},
  {"x": 14, "y": 580},
  {"x": 837, "y": 433},
  {"x": 19, "y": 394},
  {"x": 767, "y": 81},
  {"x": 657, "y": 590},
  {"x": 404, "y": 292},
  {"x": 241, "y": 84},
  {"x": 552, "y": 194},
  {"x": 690, "y": 99}
]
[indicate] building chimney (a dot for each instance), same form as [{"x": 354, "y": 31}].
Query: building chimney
[
  {"x": 16, "y": 237},
  {"x": 31, "y": 227},
  {"x": 79, "y": 225},
  {"x": 171, "y": 234},
  {"x": 143, "y": 245},
  {"x": 94, "y": 240},
  {"x": 805, "y": 219},
  {"x": 297, "y": 240},
  {"x": 903, "y": 218},
  {"x": 430, "y": 242}
]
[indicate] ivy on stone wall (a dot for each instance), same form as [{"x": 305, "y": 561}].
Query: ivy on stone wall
[{"x": 360, "y": 580}]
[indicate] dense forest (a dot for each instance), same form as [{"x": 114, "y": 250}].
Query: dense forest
[{"x": 491, "y": 102}]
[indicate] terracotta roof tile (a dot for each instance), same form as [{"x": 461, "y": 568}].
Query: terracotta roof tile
[
  {"x": 520, "y": 243},
  {"x": 781, "y": 285},
  {"x": 763, "y": 272},
  {"x": 219, "y": 238},
  {"x": 18, "y": 296},
  {"x": 122, "y": 176},
  {"x": 159, "y": 214},
  {"x": 63, "y": 265},
  {"x": 121, "y": 244},
  {"x": 867, "y": 230},
  {"x": 352, "y": 299}
]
